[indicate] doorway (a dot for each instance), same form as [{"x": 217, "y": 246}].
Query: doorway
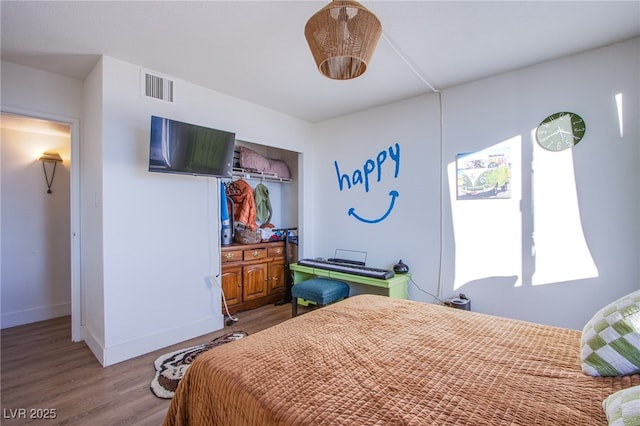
[{"x": 40, "y": 239}]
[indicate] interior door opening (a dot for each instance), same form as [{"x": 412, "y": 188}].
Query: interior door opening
[{"x": 40, "y": 238}]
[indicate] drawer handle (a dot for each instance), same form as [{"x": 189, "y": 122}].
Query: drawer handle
[
  {"x": 256, "y": 253},
  {"x": 278, "y": 250},
  {"x": 228, "y": 255}
]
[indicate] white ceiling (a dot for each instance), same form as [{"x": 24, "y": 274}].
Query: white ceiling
[
  {"x": 34, "y": 125},
  {"x": 255, "y": 50}
]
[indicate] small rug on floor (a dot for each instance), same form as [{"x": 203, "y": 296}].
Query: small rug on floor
[{"x": 170, "y": 368}]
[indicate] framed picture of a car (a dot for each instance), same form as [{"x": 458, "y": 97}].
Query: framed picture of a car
[{"x": 484, "y": 174}]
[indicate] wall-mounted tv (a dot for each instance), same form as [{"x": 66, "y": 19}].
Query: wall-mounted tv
[{"x": 178, "y": 147}]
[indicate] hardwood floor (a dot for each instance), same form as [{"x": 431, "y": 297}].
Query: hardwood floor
[{"x": 43, "y": 372}]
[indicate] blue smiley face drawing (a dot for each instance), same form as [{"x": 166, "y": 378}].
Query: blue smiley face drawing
[{"x": 394, "y": 194}]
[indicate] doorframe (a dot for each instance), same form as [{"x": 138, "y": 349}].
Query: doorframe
[{"x": 77, "y": 307}]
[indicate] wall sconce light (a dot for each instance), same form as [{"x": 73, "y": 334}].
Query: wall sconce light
[{"x": 50, "y": 158}]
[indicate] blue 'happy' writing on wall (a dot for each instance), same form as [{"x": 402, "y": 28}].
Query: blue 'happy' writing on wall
[{"x": 362, "y": 176}]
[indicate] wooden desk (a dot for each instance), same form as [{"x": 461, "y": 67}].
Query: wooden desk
[{"x": 395, "y": 287}]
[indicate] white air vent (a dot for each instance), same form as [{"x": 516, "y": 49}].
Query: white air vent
[{"x": 157, "y": 87}]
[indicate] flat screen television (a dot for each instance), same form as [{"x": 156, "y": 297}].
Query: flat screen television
[{"x": 177, "y": 147}]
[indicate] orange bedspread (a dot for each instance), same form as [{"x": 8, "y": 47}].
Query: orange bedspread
[{"x": 375, "y": 360}]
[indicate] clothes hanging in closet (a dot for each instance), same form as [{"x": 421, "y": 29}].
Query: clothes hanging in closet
[
  {"x": 245, "y": 206},
  {"x": 263, "y": 204}
]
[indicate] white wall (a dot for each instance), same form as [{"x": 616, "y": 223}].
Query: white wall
[
  {"x": 92, "y": 270},
  {"x": 581, "y": 205},
  {"x": 160, "y": 232},
  {"x": 486, "y": 245},
  {"x": 36, "y": 264},
  {"x": 29, "y": 89},
  {"x": 411, "y": 231},
  {"x": 31, "y": 289}
]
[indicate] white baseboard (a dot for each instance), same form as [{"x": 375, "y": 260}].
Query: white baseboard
[
  {"x": 94, "y": 344},
  {"x": 41, "y": 313},
  {"x": 131, "y": 349}
]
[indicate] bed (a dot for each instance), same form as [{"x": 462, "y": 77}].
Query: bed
[{"x": 376, "y": 360}]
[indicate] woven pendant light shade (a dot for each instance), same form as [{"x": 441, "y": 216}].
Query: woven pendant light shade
[{"x": 342, "y": 37}]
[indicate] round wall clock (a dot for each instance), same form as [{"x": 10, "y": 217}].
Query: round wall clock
[{"x": 560, "y": 131}]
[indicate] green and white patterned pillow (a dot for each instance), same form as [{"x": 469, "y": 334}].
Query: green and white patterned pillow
[
  {"x": 610, "y": 343},
  {"x": 623, "y": 407}
]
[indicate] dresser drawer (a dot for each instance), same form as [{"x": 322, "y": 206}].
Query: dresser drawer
[
  {"x": 275, "y": 251},
  {"x": 231, "y": 256},
  {"x": 255, "y": 254}
]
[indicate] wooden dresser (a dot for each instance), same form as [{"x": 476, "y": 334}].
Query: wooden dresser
[{"x": 253, "y": 275}]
